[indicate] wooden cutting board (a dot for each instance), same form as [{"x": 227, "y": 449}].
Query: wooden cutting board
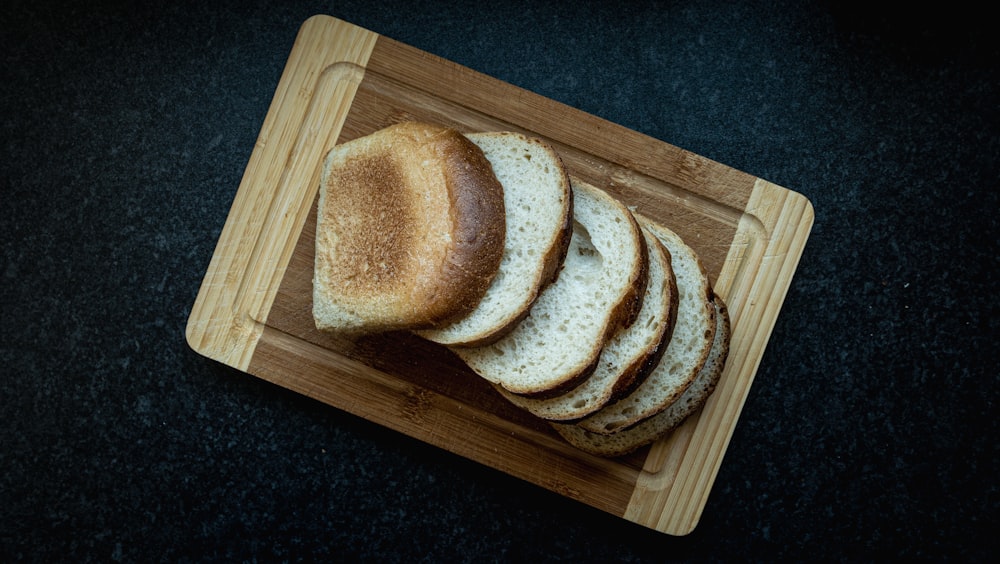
[{"x": 253, "y": 311}]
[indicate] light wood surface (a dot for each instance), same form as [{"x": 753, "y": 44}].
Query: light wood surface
[{"x": 253, "y": 311}]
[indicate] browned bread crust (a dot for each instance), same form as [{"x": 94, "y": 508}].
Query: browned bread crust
[
  {"x": 539, "y": 205},
  {"x": 599, "y": 290},
  {"x": 665, "y": 422},
  {"x": 410, "y": 230},
  {"x": 686, "y": 352},
  {"x": 628, "y": 357}
]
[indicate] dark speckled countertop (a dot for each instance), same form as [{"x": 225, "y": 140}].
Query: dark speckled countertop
[{"x": 870, "y": 432}]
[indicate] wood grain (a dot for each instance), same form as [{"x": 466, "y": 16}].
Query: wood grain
[
  {"x": 253, "y": 311},
  {"x": 228, "y": 315}
]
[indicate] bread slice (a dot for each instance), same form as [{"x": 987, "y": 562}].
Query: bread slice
[
  {"x": 539, "y": 207},
  {"x": 599, "y": 290},
  {"x": 628, "y": 357},
  {"x": 409, "y": 232},
  {"x": 666, "y": 421},
  {"x": 688, "y": 349}
]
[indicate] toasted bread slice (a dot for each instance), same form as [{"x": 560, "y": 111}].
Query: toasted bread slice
[
  {"x": 409, "y": 233},
  {"x": 539, "y": 208},
  {"x": 688, "y": 348},
  {"x": 663, "y": 423},
  {"x": 599, "y": 290},
  {"x": 628, "y": 357}
]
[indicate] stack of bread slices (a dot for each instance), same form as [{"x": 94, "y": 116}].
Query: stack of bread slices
[{"x": 574, "y": 307}]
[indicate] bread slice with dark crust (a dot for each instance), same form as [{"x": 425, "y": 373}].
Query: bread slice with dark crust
[
  {"x": 599, "y": 290},
  {"x": 539, "y": 207},
  {"x": 688, "y": 348},
  {"x": 663, "y": 423},
  {"x": 410, "y": 230},
  {"x": 628, "y": 356}
]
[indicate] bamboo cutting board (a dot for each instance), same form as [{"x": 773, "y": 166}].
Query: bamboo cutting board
[{"x": 253, "y": 311}]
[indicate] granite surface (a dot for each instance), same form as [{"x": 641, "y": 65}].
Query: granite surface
[{"x": 869, "y": 434}]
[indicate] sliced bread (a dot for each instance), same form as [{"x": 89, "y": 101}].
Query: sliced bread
[
  {"x": 598, "y": 291},
  {"x": 628, "y": 357},
  {"x": 409, "y": 232},
  {"x": 666, "y": 421},
  {"x": 687, "y": 351},
  {"x": 539, "y": 207}
]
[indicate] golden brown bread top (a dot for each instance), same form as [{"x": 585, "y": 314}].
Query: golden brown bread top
[{"x": 410, "y": 230}]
